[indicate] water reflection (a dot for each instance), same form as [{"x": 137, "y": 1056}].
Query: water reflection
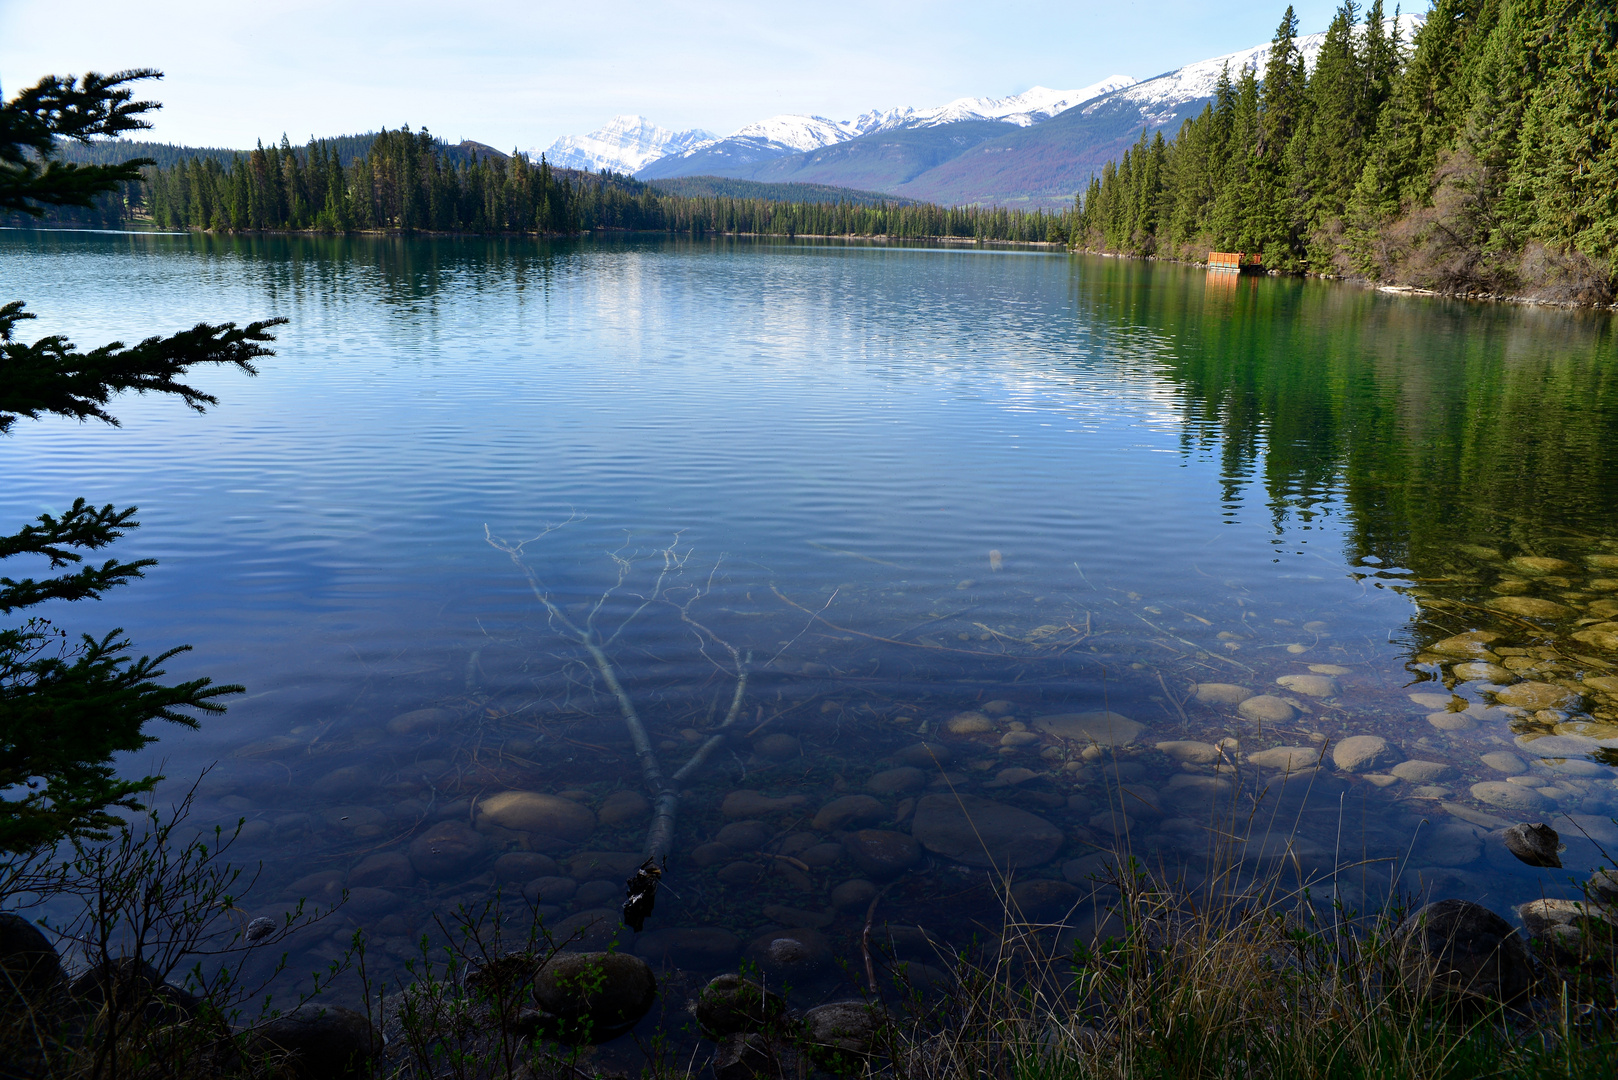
[{"x": 1035, "y": 559}]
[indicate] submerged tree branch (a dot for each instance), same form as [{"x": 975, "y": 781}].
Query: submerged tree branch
[{"x": 665, "y": 790}]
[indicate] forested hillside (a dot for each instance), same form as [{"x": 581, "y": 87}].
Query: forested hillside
[
  {"x": 408, "y": 182},
  {"x": 1478, "y": 157}
]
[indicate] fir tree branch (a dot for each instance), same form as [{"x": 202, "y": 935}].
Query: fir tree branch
[{"x": 50, "y": 377}]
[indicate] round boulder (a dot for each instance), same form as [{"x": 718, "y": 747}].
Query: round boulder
[
  {"x": 322, "y": 1042},
  {"x": 849, "y": 812},
  {"x": 1286, "y": 758},
  {"x": 791, "y": 954},
  {"x": 1218, "y": 693},
  {"x": 1510, "y": 796},
  {"x": 1102, "y": 728},
  {"x": 882, "y": 853},
  {"x": 28, "y": 961},
  {"x": 1462, "y": 952},
  {"x": 1537, "y": 695},
  {"x": 732, "y": 1005},
  {"x": 530, "y": 811},
  {"x": 382, "y": 870},
  {"x": 853, "y": 895},
  {"x": 1364, "y": 753},
  {"x": 594, "y": 997},
  {"x": 980, "y": 832},
  {"x": 898, "y": 781},
  {"x": 1266, "y": 709},
  {"x": 841, "y": 1035},
  {"x": 420, "y": 722},
  {"x": 448, "y": 849},
  {"x": 1321, "y": 686},
  {"x": 742, "y": 836}
]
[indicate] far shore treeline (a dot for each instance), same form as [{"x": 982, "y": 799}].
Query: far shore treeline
[
  {"x": 1481, "y": 156},
  {"x": 411, "y": 182}
]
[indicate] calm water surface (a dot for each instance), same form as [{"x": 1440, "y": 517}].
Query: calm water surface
[{"x": 905, "y": 484}]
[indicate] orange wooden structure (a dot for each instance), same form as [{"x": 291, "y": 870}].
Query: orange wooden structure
[{"x": 1235, "y": 262}]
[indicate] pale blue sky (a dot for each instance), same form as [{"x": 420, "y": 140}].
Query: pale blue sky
[{"x": 520, "y": 74}]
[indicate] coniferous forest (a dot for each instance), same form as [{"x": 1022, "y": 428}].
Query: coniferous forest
[
  {"x": 1478, "y": 157},
  {"x": 411, "y": 182}
]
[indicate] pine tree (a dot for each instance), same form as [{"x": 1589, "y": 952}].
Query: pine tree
[{"x": 66, "y": 708}]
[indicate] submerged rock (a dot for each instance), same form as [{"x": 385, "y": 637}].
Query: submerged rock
[
  {"x": 1537, "y": 695},
  {"x": 853, "y": 895},
  {"x": 385, "y": 869},
  {"x": 1213, "y": 693},
  {"x": 1267, "y": 709},
  {"x": 531, "y": 811},
  {"x": 420, "y": 722},
  {"x": 1472, "y": 645},
  {"x": 969, "y": 723},
  {"x": 791, "y": 954},
  {"x": 1103, "y": 728},
  {"x": 1321, "y": 686},
  {"x": 850, "y": 811},
  {"x": 981, "y": 832},
  {"x": 1502, "y": 762},
  {"x": 1529, "y": 607},
  {"x": 1509, "y": 796},
  {"x": 1191, "y": 752},
  {"x": 882, "y": 853},
  {"x": 906, "y": 778},
  {"x": 1286, "y": 758},
  {"x": 1364, "y": 753},
  {"x": 447, "y": 850},
  {"x": 1479, "y": 671},
  {"x": 1421, "y": 772}
]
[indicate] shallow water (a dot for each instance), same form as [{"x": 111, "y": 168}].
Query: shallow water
[{"x": 905, "y": 483}]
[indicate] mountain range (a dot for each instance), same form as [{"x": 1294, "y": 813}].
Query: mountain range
[{"x": 1037, "y": 148}]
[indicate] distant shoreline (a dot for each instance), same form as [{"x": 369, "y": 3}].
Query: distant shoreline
[{"x": 1378, "y": 286}]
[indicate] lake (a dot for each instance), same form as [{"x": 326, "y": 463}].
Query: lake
[{"x": 1290, "y": 576}]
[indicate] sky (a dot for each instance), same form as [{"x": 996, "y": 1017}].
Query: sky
[{"x": 520, "y": 74}]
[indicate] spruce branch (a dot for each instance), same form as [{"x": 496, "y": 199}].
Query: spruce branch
[{"x": 51, "y": 377}]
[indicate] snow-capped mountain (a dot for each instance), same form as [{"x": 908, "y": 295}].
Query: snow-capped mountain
[
  {"x": 1035, "y": 148},
  {"x": 624, "y": 144},
  {"x": 787, "y": 134},
  {"x": 1029, "y": 107}
]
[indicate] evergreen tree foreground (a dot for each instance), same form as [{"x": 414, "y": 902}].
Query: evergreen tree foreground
[{"x": 68, "y": 706}]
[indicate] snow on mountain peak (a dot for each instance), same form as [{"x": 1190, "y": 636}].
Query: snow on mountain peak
[
  {"x": 624, "y": 144},
  {"x": 801, "y": 133},
  {"x": 1029, "y": 107},
  {"x": 796, "y": 133}
]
